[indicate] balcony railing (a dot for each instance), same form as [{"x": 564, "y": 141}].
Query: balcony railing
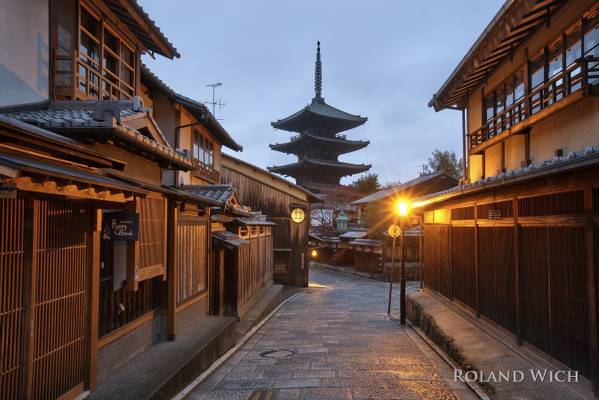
[
  {"x": 578, "y": 76},
  {"x": 202, "y": 171}
]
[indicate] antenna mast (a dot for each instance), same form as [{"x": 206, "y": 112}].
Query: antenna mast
[{"x": 215, "y": 102}]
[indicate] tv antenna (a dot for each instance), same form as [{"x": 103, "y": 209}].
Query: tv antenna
[{"x": 215, "y": 102}]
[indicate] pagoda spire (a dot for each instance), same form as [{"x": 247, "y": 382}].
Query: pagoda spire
[{"x": 318, "y": 75}]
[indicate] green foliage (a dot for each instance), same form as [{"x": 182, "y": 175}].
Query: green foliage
[
  {"x": 445, "y": 161},
  {"x": 367, "y": 184}
]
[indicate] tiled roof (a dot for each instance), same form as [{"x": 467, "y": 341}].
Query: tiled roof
[
  {"x": 574, "y": 160},
  {"x": 67, "y": 117},
  {"x": 47, "y": 140},
  {"x": 65, "y": 171},
  {"x": 354, "y": 234},
  {"x": 219, "y": 193},
  {"x": 312, "y": 198},
  {"x": 229, "y": 239},
  {"x": 383, "y": 194},
  {"x": 82, "y": 117},
  {"x": 316, "y": 113},
  {"x": 349, "y": 168},
  {"x": 366, "y": 242}
]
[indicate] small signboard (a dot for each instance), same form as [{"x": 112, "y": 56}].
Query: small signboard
[
  {"x": 122, "y": 225},
  {"x": 394, "y": 231}
]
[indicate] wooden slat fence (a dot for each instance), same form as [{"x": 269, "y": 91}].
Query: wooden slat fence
[
  {"x": 255, "y": 268},
  {"x": 192, "y": 257},
  {"x": 531, "y": 273},
  {"x": 44, "y": 276}
]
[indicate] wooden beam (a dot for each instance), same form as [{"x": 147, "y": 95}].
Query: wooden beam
[
  {"x": 171, "y": 265},
  {"x": 133, "y": 256},
  {"x": 93, "y": 295},
  {"x": 476, "y": 263},
  {"x": 31, "y": 248},
  {"x": 516, "y": 246},
  {"x": 592, "y": 287}
]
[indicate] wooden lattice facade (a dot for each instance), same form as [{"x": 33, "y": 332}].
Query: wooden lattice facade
[
  {"x": 45, "y": 275},
  {"x": 524, "y": 259}
]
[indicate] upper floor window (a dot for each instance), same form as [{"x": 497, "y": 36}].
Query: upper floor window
[
  {"x": 203, "y": 149},
  {"x": 106, "y": 62}
]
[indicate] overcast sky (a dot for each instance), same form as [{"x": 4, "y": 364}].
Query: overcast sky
[{"x": 382, "y": 59}]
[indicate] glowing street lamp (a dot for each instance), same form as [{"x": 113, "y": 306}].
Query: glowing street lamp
[{"x": 402, "y": 208}]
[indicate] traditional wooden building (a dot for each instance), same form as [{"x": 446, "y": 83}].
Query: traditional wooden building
[
  {"x": 517, "y": 243},
  {"x": 375, "y": 211},
  {"x": 102, "y": 251},
  {"x": 318, "y": 143},
  {"x": 285, "y": 204},
  {"x": 239, "y": 263}
]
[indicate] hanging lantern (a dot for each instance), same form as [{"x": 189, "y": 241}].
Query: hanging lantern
[{"x": 298, "y": 215}]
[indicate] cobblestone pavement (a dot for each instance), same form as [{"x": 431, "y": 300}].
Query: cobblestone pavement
[{"x": 334, "y": 343}]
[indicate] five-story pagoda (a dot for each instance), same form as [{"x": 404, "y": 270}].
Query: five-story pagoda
[{"x": 318, "y": 143}]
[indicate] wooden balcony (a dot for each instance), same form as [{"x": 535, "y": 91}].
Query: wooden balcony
[
  {"x": 203, "y": 172},
  {"x": 564, "y": 88}
]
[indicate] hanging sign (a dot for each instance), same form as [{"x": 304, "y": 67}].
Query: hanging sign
[
  {"x": 121, "y": 226},
  {"x": 394, "y": 231}
]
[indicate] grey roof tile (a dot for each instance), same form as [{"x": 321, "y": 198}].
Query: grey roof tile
[{"x": 219, "y": 193}]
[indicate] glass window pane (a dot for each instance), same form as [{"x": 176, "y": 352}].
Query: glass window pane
[
  {"x": 591, "y": 37},
  {"x": 537, "y": 71},
  {"x": 111, "y": 41},
  {"x": 489, "y": 106},
  {"x": 89, "y": 47},
  {"x": 555, "y": 61},
  {"x": 90, "y": 23}
]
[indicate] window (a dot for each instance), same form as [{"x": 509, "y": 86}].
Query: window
[
  {"x": 203, "y": 149},
  {"x": 591, "y": 44},
  {"x": 591, "y": 35},
  {"x": 106, "y": 63}
]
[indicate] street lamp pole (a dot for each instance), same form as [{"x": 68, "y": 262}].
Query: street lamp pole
[
  {"x": 402, "y": 304},
  {"x": 391, "y": 276}
]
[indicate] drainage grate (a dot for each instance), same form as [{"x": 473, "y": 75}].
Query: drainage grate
[
  {"x": 262, "y": 394},
  {"x": 280, "y": 353}
]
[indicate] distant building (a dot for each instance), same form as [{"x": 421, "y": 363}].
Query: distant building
[{"x": 319, "y": 144}]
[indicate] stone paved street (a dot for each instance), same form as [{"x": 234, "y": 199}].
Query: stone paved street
[{"x": 334, "y": 342}]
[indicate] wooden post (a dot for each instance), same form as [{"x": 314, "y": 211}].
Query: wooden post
[
  {"x": 592, "y": 287},
  {"x": 133, "y": 254},
  {"x": 93, "y": 295},
  {"x": 450, "y": 246},
  {"x": 476, "y": 266},
  {"x": 31, "y": 239},
  {"x": 517, "y": 271},
  {"x": 171, "y": 265},
  {"x": 421, "y": 251}
]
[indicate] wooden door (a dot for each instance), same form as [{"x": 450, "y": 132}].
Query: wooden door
[
  {"x": 217, "y": 282},
  {"x": 44, "y": 266}
]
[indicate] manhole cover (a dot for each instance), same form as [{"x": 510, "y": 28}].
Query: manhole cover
[{"x": 281, "y": 353}]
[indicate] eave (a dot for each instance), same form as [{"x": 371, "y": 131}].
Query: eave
[
  {"x": 319, "y": 116},
  {"x": 511, "y": 26},
  {"x": 142, "y": 26},
  {"x": 333, "y": 145},
  {"x": 332, "y": 167}
]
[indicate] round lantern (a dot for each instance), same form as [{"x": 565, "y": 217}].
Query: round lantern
[{"x": 298, "y": 215}]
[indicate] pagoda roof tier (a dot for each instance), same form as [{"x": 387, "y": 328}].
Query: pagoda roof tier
[
  {"x": 334, "y": 145},
  {"x": 309, "y": 166},
  {"x": 318, "y": 115}
]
